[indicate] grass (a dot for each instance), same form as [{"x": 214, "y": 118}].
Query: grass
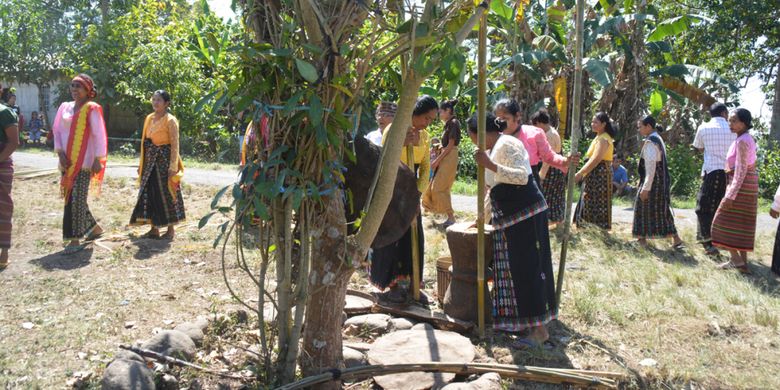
[{"x": 621, "y": 304}]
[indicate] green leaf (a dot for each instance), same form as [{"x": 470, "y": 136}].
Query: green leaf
[
  {"x": 218, "y": 197},
  {"x": 307, "y": 70},
  {"x": 500, "y": 8},
  {"x": 656, "y": 103},
  {"x": 315, "y": 110},
  {"x": 546, "y": 42},
  {"x": 203, "y": 221},
  {"x": 674, "y": 26},
  {"x": 598, "y": 70}
]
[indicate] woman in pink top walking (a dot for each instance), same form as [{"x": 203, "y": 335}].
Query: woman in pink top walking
[
  {"x": 534, "y": 139},
  {"x": 734, "y": 226}
]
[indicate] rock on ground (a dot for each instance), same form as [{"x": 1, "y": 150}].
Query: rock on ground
[
  {"x": 489, "y": 381},
  {"x": 192, "y": 330},
  {"x": 127, "y": 375},
  {"x": 418, "y": 346},
  {"x": 172, "y": 343},
  {"x": 423, "y": 326},
  {"x": 353, "y": 358},
  {"x": 374, "y": 323},
  {"x": 401, "y": 324}
]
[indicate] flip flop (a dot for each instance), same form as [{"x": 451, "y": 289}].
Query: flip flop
[
  {"x": 526, "y": 343},
  {"x": 742, "y": 268},
  {"x": 679, "y": 246},
  {"x": 151, "y": 236},
  {"x": 71, "y": 249},
  {"x": 93, "y": 237},
  {"x": 4, "y": 265}
]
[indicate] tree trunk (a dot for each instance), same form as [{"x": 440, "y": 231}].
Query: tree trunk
[
  {"x": 104, "y": 4},
  {"x": 774, "y": 130},
  {"x": 328, "y": 280}
]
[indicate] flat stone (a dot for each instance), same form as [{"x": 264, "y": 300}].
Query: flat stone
[
  {"x": 169, "y": 382},
  {"x": 411, "y": 346},
  {"x": 192, "y": 330},
  {"x": 127, "y": 375},
  {"x": 353, "y": 358},
  {"x": 124, "y": 354},
  {"x": 202, "y": 323},
  {"x": 172, "y": 343},
  {"x": 374, "y": 323},
  {"x": 423, "y": 326},
  {"x": 355, "y": 304},
  {"x": 401, "y": 324},
  {"x": 489, "y": 381}
]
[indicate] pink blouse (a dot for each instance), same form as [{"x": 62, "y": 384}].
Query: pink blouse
[
  {"x": 538, "y": 148},
  {"x": 741, "y": 156},
  {"x": 97, "y": 144}
]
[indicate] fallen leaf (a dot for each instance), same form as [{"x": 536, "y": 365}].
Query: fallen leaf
[
  {"x": 129, "y": 324},
  {"x": 167, "y": 322}
]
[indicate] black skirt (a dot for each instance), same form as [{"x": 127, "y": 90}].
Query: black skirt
[{"x": 155, "y": 204}]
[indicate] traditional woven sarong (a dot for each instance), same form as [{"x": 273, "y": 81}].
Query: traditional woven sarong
[
  {"x": 554, "y": 189},
  {"x": 392, "y": 264},
  {"x": 523, "y": 291},
  {"x": 711, "y": 192},
  {"x": 595, "y": 205},
  {"x": 77, "y": 220},
  {"x": 735, "y": 228},
  {"x": 437, "y": 198},
  {"x": 6, "y": 202},
  {"x": 158, "y": 203},
  {"x": 653, "y": 218}
]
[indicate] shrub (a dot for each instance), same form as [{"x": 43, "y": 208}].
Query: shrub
[
  {"x": 467, "y": 166},
  {"x": 768, "y": 165},
  {"x": 684, "y": 169}
]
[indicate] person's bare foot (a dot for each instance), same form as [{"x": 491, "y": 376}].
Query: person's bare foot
[
  {"x": 3, "y": 259},
  {"x": 152, "y": 233},
  {"x": 169, "y": 234}
]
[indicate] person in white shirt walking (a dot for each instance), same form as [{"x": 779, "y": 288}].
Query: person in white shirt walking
[
  {"x": 385, "y": 113},
  {"x": 713, "y": 138}
]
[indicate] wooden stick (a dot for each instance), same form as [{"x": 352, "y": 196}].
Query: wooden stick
[
  {"x": 580, "y": 378},
  {"x": 575, "y": 140},
  {"x": 481, "y": 115},
  {"x": 415, "y": 237},
  {"x": 169, "y": 360}
]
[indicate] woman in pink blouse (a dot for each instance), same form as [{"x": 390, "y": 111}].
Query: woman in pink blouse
[
  {"x": 534, "y": 139},
  {"x": 81, "y": 144},
  {"x": 734, "y": 226}
]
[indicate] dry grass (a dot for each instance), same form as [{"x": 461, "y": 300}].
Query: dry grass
[{"x": 621, "y": 304}]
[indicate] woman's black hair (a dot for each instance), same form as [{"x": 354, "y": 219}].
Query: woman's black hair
[
  {"x": 659, "y": 128},
  {"x": 166, "y": 97},
  {"x": 493, "y": 123},
  {"x": 603, "y": 117},
  {"x": 424, "y": 104},
  {"x": 449, "y": 104},
  {"x": 541, "y": 116},
  {"x": 509, "y": 105},
  {"x": 744, "y": 116},
  {"x": 648, "y": 121}
]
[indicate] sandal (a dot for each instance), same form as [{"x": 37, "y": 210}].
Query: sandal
[
  {"x": 679, "y": 246},
  {"x": 94, "y": 237},
  {"x": 71, "y": 249},
  {"x": 742, "y": 268},
  {"x": 4, "y": 265},
  {"x": 151, "y": 236},
  {"x": 528, "y": 343}
]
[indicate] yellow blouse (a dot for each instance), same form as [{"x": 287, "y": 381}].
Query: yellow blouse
[
  {"x": 422, "y": 157},
  {"x": 164, "y": 131},
  {"x": 610, "y": 148}
]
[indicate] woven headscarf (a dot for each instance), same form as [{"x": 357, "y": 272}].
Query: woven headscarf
[
  {"x": 87, "y": 83},
  {"x": 386, "y": 109}
]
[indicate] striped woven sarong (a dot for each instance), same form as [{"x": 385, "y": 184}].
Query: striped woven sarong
[
  {"x": 554, "y": 189},
  {"x": 735, "y": 228},
  {"x": 654, "y": 219},
  {"x": 6, "y": 202},
  {"x": 595, "y": 205}
]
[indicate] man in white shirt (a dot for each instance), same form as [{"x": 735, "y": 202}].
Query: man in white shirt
[
  {"x": 713, "y": 138},
  {"x": 385, "y": 113}
]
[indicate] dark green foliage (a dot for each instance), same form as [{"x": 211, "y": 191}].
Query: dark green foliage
[
  {"x": 768, "y": 166},
  {"x": 685, "y": 169}
]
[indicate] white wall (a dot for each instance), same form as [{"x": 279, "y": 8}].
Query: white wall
[{"x": 27, "y": 99}]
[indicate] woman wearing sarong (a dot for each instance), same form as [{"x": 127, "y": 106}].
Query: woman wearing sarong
[
  {"x": 595, "y": 204},
  {"x": 159, "y": 203},
  {"x": 9, "y": 141},
  {"x": 391, "y": 265},
  {"x": 533, "y": 138},
  {"x": 734, "y": 225},
  {"x": 81, "y": 144},
  {"x": 652, "y": 207},
  {"x": 436, "y": 198},
  {"x": 775, "y": 213},
  {"x": 523, "y": 286},
  {"x": 553, "y": 179}
]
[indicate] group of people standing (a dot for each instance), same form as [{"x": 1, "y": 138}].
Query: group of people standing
[
  {"x": 526, "y": 173},
  {"x": 81, "y": 144}
]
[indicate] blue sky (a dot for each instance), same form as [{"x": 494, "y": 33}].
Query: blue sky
[{"x": 751, "y": 96}]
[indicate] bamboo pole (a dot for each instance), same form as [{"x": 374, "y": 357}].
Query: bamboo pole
[
  {"x": 578, "y": 378},
  {"x": 415, "y": 237},
  {"x": 481, "y": 114},
  {"x": 575, "y": 140}
]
